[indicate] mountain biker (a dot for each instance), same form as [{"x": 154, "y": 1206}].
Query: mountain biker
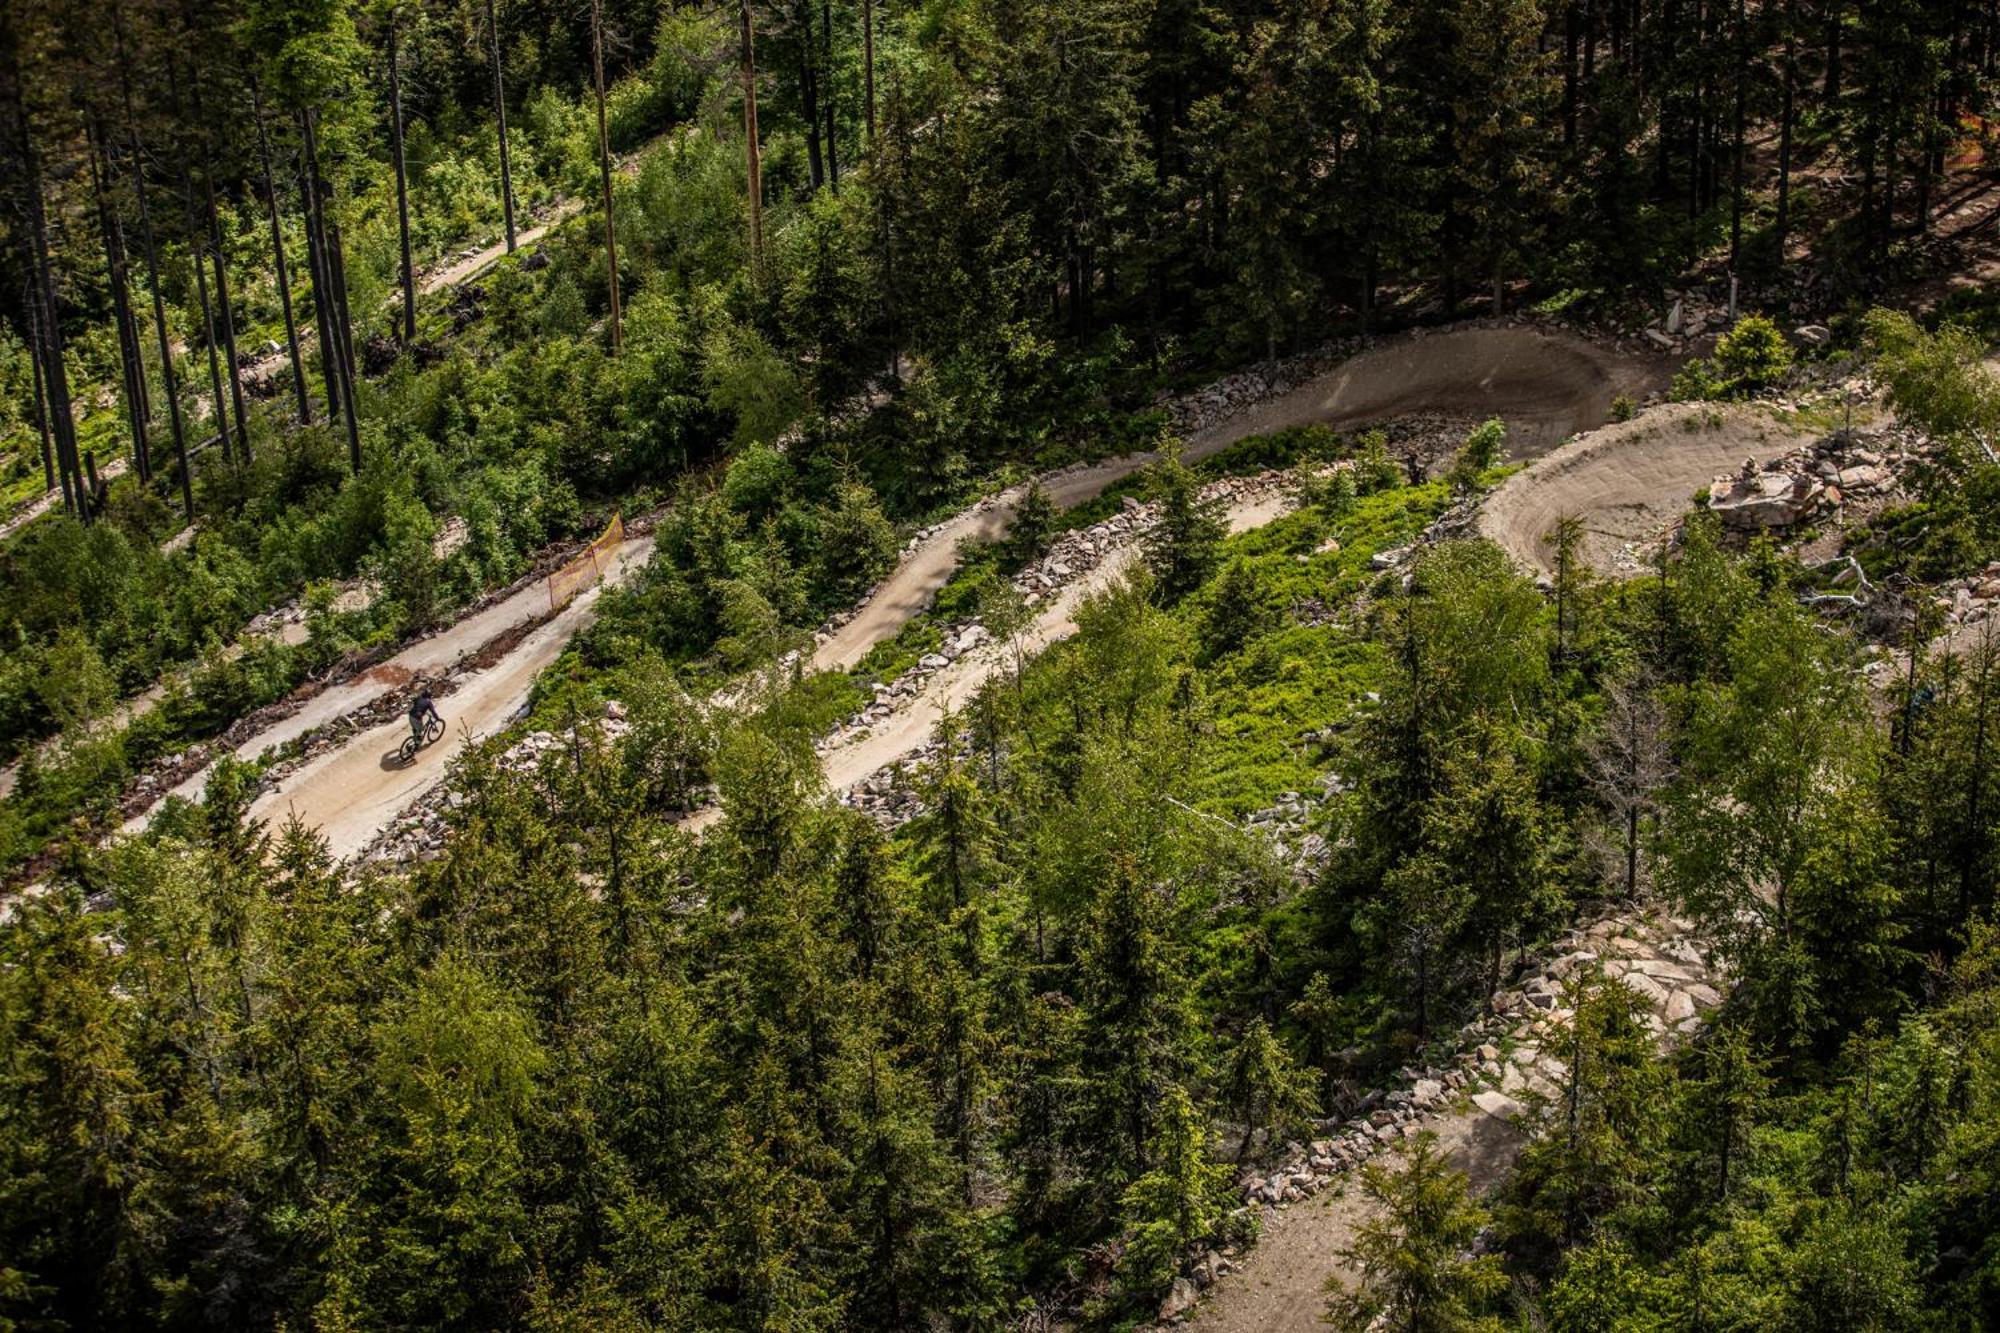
[{"x": 421, "y": 710}]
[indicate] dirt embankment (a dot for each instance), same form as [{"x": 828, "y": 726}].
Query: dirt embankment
[
  {"x": 1628, "y": 481},
  {"x": 1546, "y": 386}
]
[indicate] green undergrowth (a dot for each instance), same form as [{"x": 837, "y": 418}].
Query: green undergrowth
[{"x": 1298, "y": 679}]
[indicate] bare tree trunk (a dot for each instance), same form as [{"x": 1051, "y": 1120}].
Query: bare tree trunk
[
  {"x": 868, "y": 65},
  {"x": 169, "y": 380},
  {"x": 832, "y": 152},
  {"x": 802, "y": 27},
  {"x": 752, "y": 155},
  {"x": 41, "y": 403},
  {"x": 1742, "y": 77},
  {"x": 217, "y": 409},
  {"x": 500, "y": 116},
  {"x": 44, "y": 328},
  {"x": 278, "y": 260},
  {"x": 333, "y": 298},
  {"x": 228, "y": 316},
  {"x": 604, "y": 174},
  {"x": 206, "y": 132},
  {"x": 1786, "y": 113},
  {"x": 402, "y": 190},
  {"x": 131, "y": 366},
  {"x": 329, "y": 357}
]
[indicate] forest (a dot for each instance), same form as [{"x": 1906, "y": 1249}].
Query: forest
[{"x": 1107, "y": 664}]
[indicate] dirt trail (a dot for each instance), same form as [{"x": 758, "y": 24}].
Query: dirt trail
[
  {"x": 350, "y": 791},
  {"x": 1280, "y": 1285},
  {"x": 907, "y": 730},
  {"x": 1546, "y": 386},
  {"x": 1628, "y": 480}
]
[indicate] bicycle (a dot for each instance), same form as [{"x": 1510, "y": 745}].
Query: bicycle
[{"x": 433, "y": 728}]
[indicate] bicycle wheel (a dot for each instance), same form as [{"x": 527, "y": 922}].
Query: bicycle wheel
[
  {"x": 433, "y": 728},
  {"x": 408, "y": 750}
]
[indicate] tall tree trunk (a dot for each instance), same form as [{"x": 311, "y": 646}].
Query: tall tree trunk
[
  {"x": 169, "y": 378},
  {"x": 1571, "y": 37},
  {"x": 402, "y": 189},
  {"x": 500, "y": 117},
  {"x": 329, "y": 359},
  {"x": 604, "y": 175},
  {"x": 802, "y": 23},
  {"x": 1830, "y": 91},
  {"x": 131, "y": 365},
  {"x": 218, "y": 408},
  {"x": 751, "y": 150},
  {"x": 827, "y": 96},
  {"x": 1741, "y": 76},
  {"x": 868, "y": 65},
  {"x": 278, "y": 261},
  {"x": 220, "y": 259},
  {"x": 45, "y": 329},
  {"x": 41, "y": 403},
  {"x": 228, "y": 316},
  {"x": 1786, "y": 114},
  {"x": 333, "y": 298}
]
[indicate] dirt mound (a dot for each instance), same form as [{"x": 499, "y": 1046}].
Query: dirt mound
[{"x": 1628, "y": 481}]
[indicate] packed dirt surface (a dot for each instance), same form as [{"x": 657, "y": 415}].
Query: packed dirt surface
[
  {"x": 906, "y": 731},
  {"x": 1628, "y": 481},
  {"x": 351, "y": 791},
  {"x": 1279, "y": 1287},
  {"x": 1545, "y": 386}
]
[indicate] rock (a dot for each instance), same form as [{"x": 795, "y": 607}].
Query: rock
[
  {"x": 933, "y": 662},
  {"x": 1180, "y": 1298},
  {"x": 1812, "y": 335},
  {"x": 1864, "y": 478},
  {"x": 1675, "y": 318},
  {"x": 1498, "y": 1105},
  {"x": 1660, "y": 339},
  {"x": 1428, "y": 1090},
  {"x": 1765, "y": 500},
  {"x": 1680, "y": 1005}
]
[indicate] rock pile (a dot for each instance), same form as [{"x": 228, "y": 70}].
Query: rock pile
[
  {"x": 1507, "y": 1064},
  {"x": 1839, "y": 469},
  {"x": 1972, "y": 600},
  {"x": 1221, "y": 399},
  {"x": 1688, "y": 315},
  {"x": 1074, "y": 554}
]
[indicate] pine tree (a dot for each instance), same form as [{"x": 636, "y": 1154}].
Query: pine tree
[
  {"x": 1177, "y": 1202},
  {"x": 1181, "y": 546},
  {"x": 1411, "y": 1256}
]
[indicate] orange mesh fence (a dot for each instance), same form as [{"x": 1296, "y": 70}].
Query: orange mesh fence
[{"x": 588, "y": 566}]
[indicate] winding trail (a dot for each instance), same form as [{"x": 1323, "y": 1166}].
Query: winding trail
[
  {"x": 1629, "y": 480},
  {"x": 343, "y": 791},
  {"x": 351, "y": 792},
  {"x": 1546, "y": 386}
]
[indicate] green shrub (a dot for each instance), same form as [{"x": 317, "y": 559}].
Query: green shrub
[{"x": 1747, "y": 358}]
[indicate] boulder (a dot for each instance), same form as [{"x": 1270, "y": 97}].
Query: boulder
[
  {"x": 1812, "y": 335},
  {"x": 1498, "y": 1105},
  {"x": 1765, "y": 500},
  {"x": 1180, "y": 1298},
  {"x": 1864, "y": 477}
]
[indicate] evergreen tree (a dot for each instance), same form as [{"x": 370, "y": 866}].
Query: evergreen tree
[{"x": 1411, "y": 1258}]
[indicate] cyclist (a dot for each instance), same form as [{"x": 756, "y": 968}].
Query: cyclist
[{"x": 421, "y": 710}]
